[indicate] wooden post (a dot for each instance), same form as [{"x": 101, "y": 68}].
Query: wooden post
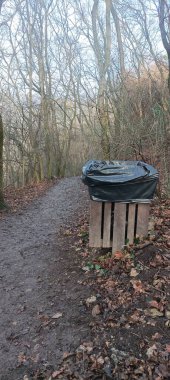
[
  {"x": 131, "y": 223},
  {"x": 119, "y": 227},
  {"x": 95, "y": 224},
  {"x": 107, "y": 225},
  {"x": 142, "y": 219}
]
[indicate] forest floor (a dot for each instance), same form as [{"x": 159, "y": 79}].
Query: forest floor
[{"x": 71, "y": 312}]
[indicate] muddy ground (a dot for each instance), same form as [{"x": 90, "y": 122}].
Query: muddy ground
[{"x": 38, "y": 279}]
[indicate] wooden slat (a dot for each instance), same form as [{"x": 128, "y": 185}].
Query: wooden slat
[
  {"x": 142, "y": 219},
  {"x": 107, "y": 224},
  {"x": 95, "y": 224},
  {"x": 131, "y": 223},
  {"x": 119, "y": 227}
]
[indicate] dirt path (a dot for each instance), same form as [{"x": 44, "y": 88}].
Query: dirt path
[{"x": 39, "y": 278}]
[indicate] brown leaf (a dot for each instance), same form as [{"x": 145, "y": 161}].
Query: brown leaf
[
  {"x": 159, "y": 283},
  {"x": 100, "y": 360},
  {"x": 154, "y": 304},
  {"x": 118, "y": 255},
  {"x": 22, "y": 358},
  {"x": 151, "y": 351},
  {"x": 135, "y": 317},
  {"x": 133, "y": 272},
  {"x": 109, "y": 284},
  {"x": 156, "y": 336},
  {"x": 88, "y": 346},
  {"x": 138, "y": 286},
  {"x": 66, "y": 355},
  {"x": 96, "y": 310},
  {"x": 168, "y": 347}
]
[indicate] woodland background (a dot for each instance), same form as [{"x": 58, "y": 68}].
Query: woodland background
[{"x": 82, "y": 79}]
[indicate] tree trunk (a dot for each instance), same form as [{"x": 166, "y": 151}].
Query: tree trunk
[
  {"x": 103, "y": 61},
  {"x": 163, "y": 16},
  {"x": 164, "y": 24},
  {"x": 2, "y": 203}
]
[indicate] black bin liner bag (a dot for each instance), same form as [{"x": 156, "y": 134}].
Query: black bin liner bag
[{"x": 120, "y": 181}]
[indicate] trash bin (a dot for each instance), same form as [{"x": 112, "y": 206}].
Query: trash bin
[{"x": 120, "y": 192}]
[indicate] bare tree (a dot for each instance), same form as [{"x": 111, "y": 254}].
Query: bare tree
[
  {"x": 1, "y": 164},
  {"x": 82, "y": 79},
  {"x": 164, "y": 24},
  {"x": 2, "y": 203}
]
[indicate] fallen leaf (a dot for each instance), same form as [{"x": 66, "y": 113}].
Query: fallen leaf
[
  {"x": 138, "y": 286},
  {"x": 57, "y": 315},
  {"x": 86, "y": 269},
  {"x": 163, "y": 372},
  {"x": 150, "y": 323},
  {"x": 159, "y": 222},
  {"x": 151, "y": 225},
  {"x": 66, "y": 355},
  {"x": 156, "y": 336},
  {"x": 159, "y": 283},
  {"x": 167, "y": 314},
  {"x": 88, "y": 346},
  {"x": 91, "y": 299},
  {"x": 118, "y": 255},
  {"x": 67, "y": 232},
  {"x": 155, "y": 313},
  {"x": 168, "y": 347},
  {"x": 22, "y": 358},
  {"x": 100, "y": 360},
  {"x": 151, "y": 351},
  {"x": 133, "y": 272},
  {"x": 81, "y": 348},
  {"x": 95, "y": 310},
  {"x": 26, "y": 377},
  {"x": 154, "y": 304},
  {"x": 35, "y": 358},
  {"x": 110, "y": 284},
  {"x": 135, "y": 317}
]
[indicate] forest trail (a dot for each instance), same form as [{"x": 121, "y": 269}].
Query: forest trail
[
  {"x": 39, "y": 279},
  {"x": 71, "y": 312}
]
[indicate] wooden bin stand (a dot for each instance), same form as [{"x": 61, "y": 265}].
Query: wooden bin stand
[{"x": 117, "y": 224}]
